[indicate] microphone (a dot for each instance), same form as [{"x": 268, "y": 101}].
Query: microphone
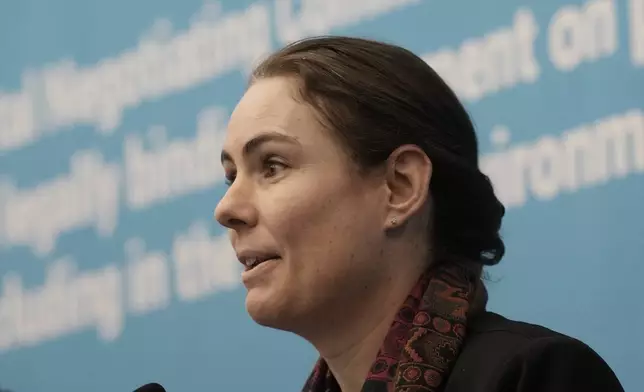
[{"x": 152, "y": 387}]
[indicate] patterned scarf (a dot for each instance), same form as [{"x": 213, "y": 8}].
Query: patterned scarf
[{"x": 424, "y": 340}]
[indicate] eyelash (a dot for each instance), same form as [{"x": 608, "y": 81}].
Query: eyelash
[
  {"x": 267, "y": 163},
  {"x": 271, "y": 164}
]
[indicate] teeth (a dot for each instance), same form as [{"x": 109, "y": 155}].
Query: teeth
[{"x": 252, "y": 262}]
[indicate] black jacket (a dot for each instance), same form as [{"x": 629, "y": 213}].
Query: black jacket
[{"x": 500, "y": 355}]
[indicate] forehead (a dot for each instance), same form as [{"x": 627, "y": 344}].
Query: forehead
[{"x": 268, "y": 105}]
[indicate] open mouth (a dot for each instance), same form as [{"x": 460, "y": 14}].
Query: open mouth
[{"x": 253, "y": 262}]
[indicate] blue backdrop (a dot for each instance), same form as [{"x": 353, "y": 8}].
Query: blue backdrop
[{"x": 112, "y": 113}]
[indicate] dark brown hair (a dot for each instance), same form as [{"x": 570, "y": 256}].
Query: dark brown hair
[{"x": 377, "y": 97}]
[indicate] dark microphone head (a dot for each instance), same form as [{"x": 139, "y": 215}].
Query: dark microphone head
[{"x": 152, "y": 387}]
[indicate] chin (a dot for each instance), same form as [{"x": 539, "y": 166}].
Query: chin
[
  {"x": 262, "y": 309},
  {"x": 266, "y": 311}
]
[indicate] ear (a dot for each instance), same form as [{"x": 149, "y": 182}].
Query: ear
[{"x": 408, "y": 175}]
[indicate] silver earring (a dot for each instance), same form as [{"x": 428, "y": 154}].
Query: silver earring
[{"x": 394, "y": 221}]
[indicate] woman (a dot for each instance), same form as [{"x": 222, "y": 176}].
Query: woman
[{"x": 358, "y": 209}]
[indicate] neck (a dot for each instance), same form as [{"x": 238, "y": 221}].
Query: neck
[
  {"x": 350, "y": 348},
  {"x": 351, "y": 365}
]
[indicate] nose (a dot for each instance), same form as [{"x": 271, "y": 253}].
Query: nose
[{"x": 236, "y": 209}]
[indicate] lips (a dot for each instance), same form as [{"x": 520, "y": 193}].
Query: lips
[{"x": 251, "y": 261}]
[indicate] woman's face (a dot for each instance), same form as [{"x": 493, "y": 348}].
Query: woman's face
[{"x": 297, "y": 200}]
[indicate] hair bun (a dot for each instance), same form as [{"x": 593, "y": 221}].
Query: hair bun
[{"x": 467, "y": 213}]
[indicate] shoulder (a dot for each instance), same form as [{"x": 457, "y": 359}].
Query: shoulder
[{"x": 510, "y": 356}]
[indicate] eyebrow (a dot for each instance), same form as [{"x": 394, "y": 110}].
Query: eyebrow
[{"x": 253, "y": 144}]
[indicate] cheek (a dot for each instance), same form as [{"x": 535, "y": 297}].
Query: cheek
[
  {"x": 302, "y": 215},
  {"x": 324, "y": 230}
]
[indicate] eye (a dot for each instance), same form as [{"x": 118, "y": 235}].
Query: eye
[
  {"x": 272, "y": 167},
  {"x": 230, "y": 178}
]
